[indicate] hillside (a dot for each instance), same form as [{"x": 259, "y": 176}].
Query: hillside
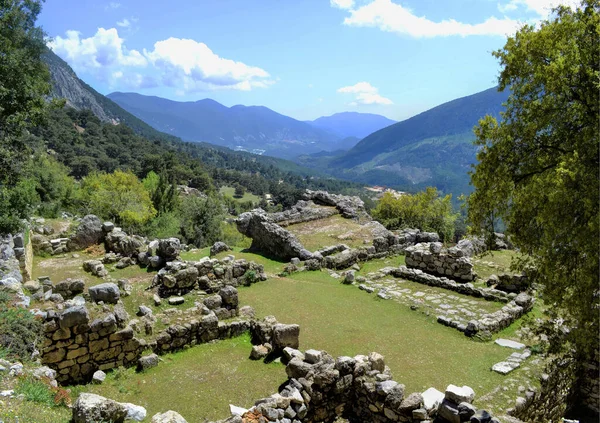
[
  {"x": 432, "y": 148},
  {"x": 248, "y": 128},
  {"x": 352, "y": 124}
]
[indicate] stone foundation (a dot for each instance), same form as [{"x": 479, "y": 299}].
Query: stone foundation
[{"x": 432, "y": 258}]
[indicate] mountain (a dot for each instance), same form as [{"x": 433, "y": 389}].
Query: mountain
[
  {"x": 248, "y": 128},
  {"x": 80, "y": 96},
  {"x": 352, "y": 124},
  {"x": 433, "y": 148}
]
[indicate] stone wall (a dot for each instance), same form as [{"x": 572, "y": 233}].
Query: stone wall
[
  {"x": 76, "y": 346},
  {"x": 209, "y": 275},
  {"x": 11, "y": 279},
  {"x": 302, "y": 211},
  {"x": 359, "y": 389},
  {"x": 432, "y": 258},
  {"x": 349, "y": 207}
]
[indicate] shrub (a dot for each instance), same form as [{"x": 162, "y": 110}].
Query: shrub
[
  {"x": 19, "y": 331},
  {"x": 35, "y": 390}
]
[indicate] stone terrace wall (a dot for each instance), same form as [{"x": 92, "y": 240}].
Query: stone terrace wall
[
  {"x": 209, "y": 275},
  {"x": 302, "y": 211},
  {"x": 11, "y": 278},
  {"x": 76, "y": 347},
  {"x": 359, "y": 389},
  {"x": 431, "y": 258}
]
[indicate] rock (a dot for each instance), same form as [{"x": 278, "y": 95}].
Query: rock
[
  {"x": 95, "y": 267},
  {"x": 456, "y": 394},
  {"x": 237, "y": 411},
  {"x": 432, "y": 398},
  {"x": 147, "y": 362},
  {"x": 94, "y": 408},
  {"x": 448, "y": 410},
  {"x": 144, "y": 311},
  {"x": 168, "y": 417},
  {"x": 505, "y": 367},
  {"x": 89, "y": 232},
  {"x": 410, "y": 403},
  {"x": 259, "y": 352},
  {"x": 32, "y": 286},
  {"x": 98, "y": 377},
  {"x": 137, "y": 413},
  {"x": 157, "y": 300},
  {"x": 106, "y": 292},
  {"x": 289, "y": 353},
  {"x": 176, "y": 300},
  {"x": 213, "y": 302},
  {"x": 119, "y": 242},
  {"x": 169, "y": 248},
  {"x": 312, "y": 356},
  {"x": 377, "y": 361},
  {"x": 219, "y": 247},
  {"x": 108, "y": 226},
  {"x": 509, "y": 344},
  {"x": 350, "y": 277},
  {"x": 286, "y": 336},
  {"x": 230, "y": 297},
  {"x": 465, "y": 411},
  {"x": 73, "y": 316},
  {"x": 247, "y": 311},
  {"x": 435, "y": 247},
  {"x": 481, "y": 416}
]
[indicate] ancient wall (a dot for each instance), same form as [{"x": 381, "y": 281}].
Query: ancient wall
[
  {"x": 432, "y": 258},
  {"x": 209, "y": 275}
]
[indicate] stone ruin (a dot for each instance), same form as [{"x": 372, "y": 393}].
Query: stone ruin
[
  {"x": 433, "y": 258},
  {"x": 269, "y": 236},
  {"x": 208, "y": 275}
]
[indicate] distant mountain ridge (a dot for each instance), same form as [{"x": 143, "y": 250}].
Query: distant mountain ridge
[
  {"x": 432, "y": 148},
  {"x": 352, "y": 124},
  {"x": 250, "y": 128}
]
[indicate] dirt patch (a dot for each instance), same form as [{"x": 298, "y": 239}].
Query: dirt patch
[{"x": 333, "y": 230}]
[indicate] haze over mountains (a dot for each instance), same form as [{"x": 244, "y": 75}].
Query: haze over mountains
[
  {"x": 255, "y": 129},
  {"x": 352, "y": 124}
]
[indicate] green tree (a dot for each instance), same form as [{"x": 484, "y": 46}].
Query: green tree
[
  {"x": 239, "y": 191},
  {"x": 425, "y": 210},
  {"x": 538, "y": 167},
  {"x": 201, "y": 220},
  {"x": 118, "y": 196}
]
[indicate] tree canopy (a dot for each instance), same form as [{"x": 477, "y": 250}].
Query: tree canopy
[{"x": 538, "y": 167}]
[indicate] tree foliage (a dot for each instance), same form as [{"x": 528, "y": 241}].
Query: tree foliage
[
  {"x": 426, "y": 210},
  {"x": 118, "y": 196},
  {"x": 538, "y": 167}
]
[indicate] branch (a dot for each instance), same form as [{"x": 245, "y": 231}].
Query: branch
[{"x": 520, "y": 178}]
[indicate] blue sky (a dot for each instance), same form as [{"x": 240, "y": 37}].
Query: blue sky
[{"x": 302, "y": 58}]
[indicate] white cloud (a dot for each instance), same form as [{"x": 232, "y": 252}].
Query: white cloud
[
  {"x": 185, "y": 64},
  {"x": 365, "y": 94},
  {"x": 393, "y": 17},
  {"x": 542, "y": 8},
  {"x": 113, "y": 5},
  {"x": 125, "y": 23},
  {"x": 342, "y": 4},
  {"x": 194, "y": 66},
  {"x": 102, "y": 52}
]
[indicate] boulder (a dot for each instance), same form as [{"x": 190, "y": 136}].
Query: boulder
[
  {"x": 94, "y": 408},
  {"x": 168, "y": 417},
  {"x": 169, "y": 248},
  {"x": 286, "y": 336},
  {"x": 176, "y": 300},
  {"x": 119, "y": 242},
  {"x": 95, "y": 267},
  {"x": 458, "y": 394},
  {"x": 350, "y": 277},
  {"x": 73, "y": 316},
  {"x": 229, "y": 296},
  {"x": 137, "y": 413},
  {"x": 219, "y": 247},
  {"x": 432, "y": 398},
  {"x": 106, "y": 292},
  {"x": 147, "y": 362},
  {"x": 98, "y": 377},
  {"x": 89, "y": 232}
]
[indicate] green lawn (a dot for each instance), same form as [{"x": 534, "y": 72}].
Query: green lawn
[
  {"x": 343, "y": 320},
  {"x": 248, "y": 196},
  {"x": 199, "y": 382}
]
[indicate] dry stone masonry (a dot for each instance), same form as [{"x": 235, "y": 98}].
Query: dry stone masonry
[{"x": 434, "y": 259}]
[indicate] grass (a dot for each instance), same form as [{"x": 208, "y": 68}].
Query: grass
[
  {"x": 500, "y": 259},
  {"x": 343, "y": 320},
  {"x": 59, "y": 268},
  {"x": 331, "y": 231},
  {"x": 248, "y": 196},
  {"x": 199, "y": 382}
]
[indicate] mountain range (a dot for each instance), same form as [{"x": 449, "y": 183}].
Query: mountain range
[
  {"x": 352, "y": 124},
  {"x": 256, "y": 129},
  {"x": 433, "y": 148}
]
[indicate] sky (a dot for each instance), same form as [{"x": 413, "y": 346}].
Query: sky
[{"x": 301, "y": 58}]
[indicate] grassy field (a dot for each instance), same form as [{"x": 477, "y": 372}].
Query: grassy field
[
  {"x": 342, "y": 320},
  {"x": 493, "y": 263},
  {"x": 248, "y": 196},
  {"x": 331, "y": 231},
  {"x": 199, "y": 382}
]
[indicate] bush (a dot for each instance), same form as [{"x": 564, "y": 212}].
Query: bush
[
  {"x": 425, "y": 210},
  {"x": 232, "y": 237},
  {"x": 36, "y": 391},
  {"x": 19, "y": 331},
  {"x": 165, "y": 225},
  {"x": 201, "y": 220}
]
